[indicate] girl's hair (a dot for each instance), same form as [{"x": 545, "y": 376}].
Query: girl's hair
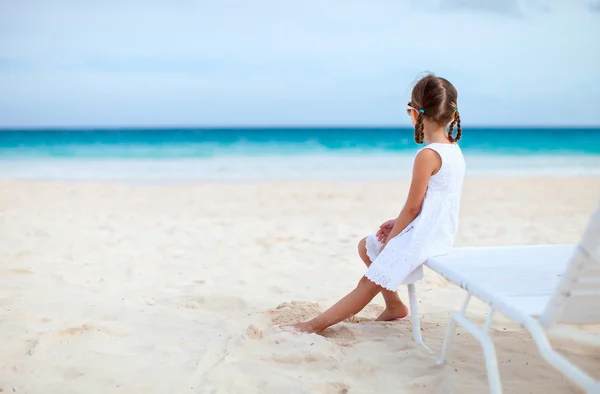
[{"x": 436, "y": 100}]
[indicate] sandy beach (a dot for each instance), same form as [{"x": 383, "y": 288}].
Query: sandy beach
[{"x": 120, "y": 288}]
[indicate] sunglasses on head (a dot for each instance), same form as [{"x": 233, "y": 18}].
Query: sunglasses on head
[{"x": 410, "y": 108}]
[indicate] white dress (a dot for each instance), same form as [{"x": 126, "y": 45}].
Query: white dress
[{"x": 433, "y": 231}]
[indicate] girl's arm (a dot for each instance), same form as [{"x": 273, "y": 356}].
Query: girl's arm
[{"x": 427, "y": 162}]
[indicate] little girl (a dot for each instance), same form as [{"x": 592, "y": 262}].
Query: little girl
[{"x": 427, "y": 225}]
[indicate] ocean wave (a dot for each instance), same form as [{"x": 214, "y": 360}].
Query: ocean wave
[{"x": 284, "y": 167}]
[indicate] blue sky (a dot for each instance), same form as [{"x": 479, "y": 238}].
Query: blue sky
[{"x": 283, "y": 62}]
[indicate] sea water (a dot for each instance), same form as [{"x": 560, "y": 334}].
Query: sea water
[{"x": 282, "y": 153}]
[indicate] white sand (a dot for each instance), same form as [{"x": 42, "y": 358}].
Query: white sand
[{"x": 146, "y": 289}]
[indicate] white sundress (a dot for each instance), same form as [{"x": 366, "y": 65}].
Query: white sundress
[{"x": 431, "y": 234}]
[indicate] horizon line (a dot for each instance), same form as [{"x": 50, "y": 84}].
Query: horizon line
[{"x": 273, "y": 127}]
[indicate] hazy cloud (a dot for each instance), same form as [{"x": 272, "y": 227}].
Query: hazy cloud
[
  {"x": 594, "y": 7},
  {"x": 302, "y": 62},
  {"x": 494, "y": 6}
]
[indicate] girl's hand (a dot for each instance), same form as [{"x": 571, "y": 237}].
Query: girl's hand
[{"x": 384, "y": 230}]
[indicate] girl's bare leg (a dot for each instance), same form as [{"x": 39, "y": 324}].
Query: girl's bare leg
[
  {"x": 348, "y": 306},
  {"x": 355, "y": 301},
  {"x": 394, "y": 307}
]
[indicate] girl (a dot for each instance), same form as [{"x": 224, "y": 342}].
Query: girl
[{"x": 428, "y": 222}]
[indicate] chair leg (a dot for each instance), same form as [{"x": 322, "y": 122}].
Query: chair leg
[
  {"x": 491, "y": 365},
  {"x": 451, "y": 330},
  {"x": 566, "y": 367},
  {"x": 489, "y": 351},
  {"x": 414, "y": 316}
]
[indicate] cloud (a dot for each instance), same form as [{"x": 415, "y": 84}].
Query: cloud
[
  {"x": 510, "y": 7},
  {"x": 594, "y": 7},
  {"x": 287, "y": 62},
  {"x": 506, "y": 8}
]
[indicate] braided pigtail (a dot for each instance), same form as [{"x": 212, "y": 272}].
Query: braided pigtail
[
  {"x": 455, "y": 121},
  {"x": 419, "y": 129},
  {"x": 458, "y": 129}
]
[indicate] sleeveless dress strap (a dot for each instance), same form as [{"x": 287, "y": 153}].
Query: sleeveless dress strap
[{"x": 436, "y": 148}]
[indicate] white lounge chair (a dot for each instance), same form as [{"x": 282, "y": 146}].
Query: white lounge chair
[{"x": 542, "y": 288}]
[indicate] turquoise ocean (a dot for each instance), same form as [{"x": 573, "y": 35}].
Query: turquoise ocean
[{"x": 282, "y": 153}]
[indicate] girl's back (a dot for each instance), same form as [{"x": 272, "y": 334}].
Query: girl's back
[
  {"x": 449, "y": 179},
  {"x": 439, "y": 214}
]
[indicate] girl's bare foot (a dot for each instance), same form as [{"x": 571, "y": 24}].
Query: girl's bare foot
[{"x": 397, "y": 312}]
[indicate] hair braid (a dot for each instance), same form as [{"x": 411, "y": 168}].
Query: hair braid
[
  {"x": 455, "y": 121},
  {"x": 458, "y": 128},
  {"x": 419, "y": 129}
]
